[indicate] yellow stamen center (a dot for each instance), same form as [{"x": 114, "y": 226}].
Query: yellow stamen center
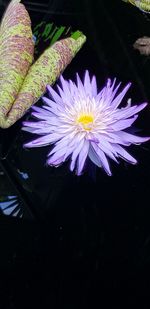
[{"x": 86, "y": 121}]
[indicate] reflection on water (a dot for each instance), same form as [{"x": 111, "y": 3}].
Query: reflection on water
[
  {"x": 10, "y": 203},
  {"x": 10, "y": 206}
]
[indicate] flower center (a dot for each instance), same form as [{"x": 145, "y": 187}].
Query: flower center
[{"x": 86, "y": 121}]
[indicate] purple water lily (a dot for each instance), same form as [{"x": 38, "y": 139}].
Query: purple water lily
[{"x": 82, "y": 122}]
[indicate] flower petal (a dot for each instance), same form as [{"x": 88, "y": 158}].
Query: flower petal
[
  {"x": 103, "y": 159},
  {"x": 129, "y": 111},
  {"x": 58, "y": 155},
  {"x": 51, "y": 104},
  {"x": 82, "y": 157},
  {"x": 94, "y": 157},
  {"x": 122, "y": 124},
  {"x": 124, "y": 154},
  {"x": 43, "y": 141},
  {"x": 113, "y": 137},
  {"x": 108, "y": 149},
  {"x": 65, "y": 86},
  {"x": 54, "y": 94},
  {"x": 58, "y": 161},
  {"x": 63, "y": 143},
  {"x": 75, "y": 154},
  {"x": 94, "y": 86},
  {"x": 132, "y": 138},
  {"x": 80, "y": 87},
  {"x": 87, "y": 84},
  {"x": 116, "y": 102},
  {"x": 40, "y": 127}
]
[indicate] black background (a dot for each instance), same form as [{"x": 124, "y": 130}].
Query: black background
[{"x": 83, "y": 239}]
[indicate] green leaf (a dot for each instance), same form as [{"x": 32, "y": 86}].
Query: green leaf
[
  {"x": 58, "y": 34},
  {"x": 48, "y": 33}
]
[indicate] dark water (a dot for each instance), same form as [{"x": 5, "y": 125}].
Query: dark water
[{"x": 80, "y": 238}]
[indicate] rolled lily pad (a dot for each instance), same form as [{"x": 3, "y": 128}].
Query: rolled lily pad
[
  {"x": 21, "y": 83},
  {"x": 43, "y": 72}
]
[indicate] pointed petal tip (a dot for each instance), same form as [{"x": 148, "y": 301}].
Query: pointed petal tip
[
  {"x": 27, "y": 145},
  {"x": 87, "y": 71},
  {"x": 47, "y": 164},
  {"x": 128, "y": 85},
  {"x": 77, "y": 76},
  {"x": 79, "y": 173},
  {"x": 146, "y": 139},
  {"x": 32, "y": 144},
  {"x": 108, "y": 84},
  {"x": 143, "y": 105},
  {"x": 48, "y": 87},
  {"x": 109, "y": 173},
  {"x": 134, "y": 162},
  {"x": 43, "y": 98},
  {"x": 61, "y": 76},
  {"x": 141, "y": 140},
  {"x": 24, "y": 123}
]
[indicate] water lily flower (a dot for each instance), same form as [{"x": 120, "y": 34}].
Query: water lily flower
[{"x": 84, "y": 123}]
